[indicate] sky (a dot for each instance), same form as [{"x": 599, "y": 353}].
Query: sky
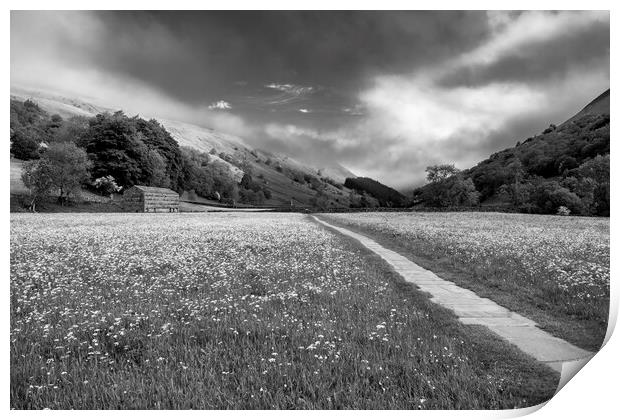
[{"x": 384, "y": 94}]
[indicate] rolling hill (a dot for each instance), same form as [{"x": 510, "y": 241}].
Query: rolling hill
[{"x": 289, "y": 180}]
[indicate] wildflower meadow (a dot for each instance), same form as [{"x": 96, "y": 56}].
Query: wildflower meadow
[{"x": 220, "y": 311}]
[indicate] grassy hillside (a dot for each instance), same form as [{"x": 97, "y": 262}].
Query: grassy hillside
[{"x": 289, "y": 180}]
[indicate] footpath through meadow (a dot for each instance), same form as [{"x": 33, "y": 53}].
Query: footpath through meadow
[{"x": 473, "y": 309}]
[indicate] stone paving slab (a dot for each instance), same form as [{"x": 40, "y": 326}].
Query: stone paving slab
[
  {"x": 497, "y": 321},
  {"x": 479, "y": 313},
  {"x": 540, "y": 344},
  {"x": 475, "y": 310},
  {"x": 465, "y": 300},
  {"x": 420, "y": 279}
]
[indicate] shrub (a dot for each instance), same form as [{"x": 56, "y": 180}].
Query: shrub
[
  {"x": 251, "y": 197},
  {"x": 106, "y": 185},
  {"x": 563, "y": 211},
  {"x": 550, "y": 195}
]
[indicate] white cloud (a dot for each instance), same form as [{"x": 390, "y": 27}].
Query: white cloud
[
  {"x": 287, "y": 93},
  {"x": 288, "y": 132},
  {"x": 424, "y": 112},
  {"x": 290, "y": 88},
  {"x": 220, "y": 105},
  {"x": 355, "y": 110},
  {"x": 304, "y": 110}
]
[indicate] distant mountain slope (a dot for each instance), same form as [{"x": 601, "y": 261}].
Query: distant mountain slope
[
  {"x": 57, "y": 104},
  {"x": 336, "y": 172},
  {"x": 386, "y": 196},
  {"x": 290, "y": 181},
  {"x": 598, "y": 106}
]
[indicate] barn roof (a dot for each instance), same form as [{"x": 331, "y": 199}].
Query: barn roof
[{"x": 155, "y": 190}]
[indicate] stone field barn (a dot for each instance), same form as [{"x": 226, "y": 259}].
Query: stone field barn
[{"x": 150, "y": 199}]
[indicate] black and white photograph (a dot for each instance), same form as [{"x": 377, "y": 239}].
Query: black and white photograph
[{"x": 306, "y": 209}]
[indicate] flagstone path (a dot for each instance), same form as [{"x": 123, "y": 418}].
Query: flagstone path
[{"x": 473, "y": 309}]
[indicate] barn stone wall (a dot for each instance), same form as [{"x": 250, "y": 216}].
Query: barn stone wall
[
  {"x": 155, "y": 201},
  {"x": 133, "y": 200}
]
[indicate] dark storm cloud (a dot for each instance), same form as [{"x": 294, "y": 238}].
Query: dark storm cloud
[
  {"x": 540, "y": 61},
  {"x": 193, "y": 54}
]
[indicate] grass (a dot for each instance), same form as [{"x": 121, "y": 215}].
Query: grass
[
  {"x": 237, "y": 311},
  {"x": 554, "y": 270},
  {"x": 19, "y": 204}
]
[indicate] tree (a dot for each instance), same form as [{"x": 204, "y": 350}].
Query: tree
[
  {"x": 156, "y": 137},
  {"x": 596, "y": 168},
  {"x": 37, "y": 176},
  {"x": 72, "y": 131},
  {"x": 25, "y": 143},
  {"x": 25, "y": 113},
  {"x": 52, "y": 126},
  {"x": 116, "y": 148},
  {"x": 438, "y": 173},
  {"x": 320, "y": 200},
  {"x": 30, "y": 128},
  {"x": 155, "y": 170},
  {"x": 453, "y": 191},
  {"x": 246, "y": 182},
  {"x": 517, "y": 193},
  {"x": 565, "y": 163},
  {"x": 355, "y": 201},
  {"x": 462, "y": 192},
  {"x": 585, "y": 189},
  {"x": 69, "y": 168},
  {"x": 550, "y": 195},
  {"x": 316, "y": 184}
]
